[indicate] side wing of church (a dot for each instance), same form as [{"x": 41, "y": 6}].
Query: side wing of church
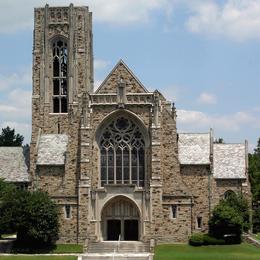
[{"x": 112, "y": 159}]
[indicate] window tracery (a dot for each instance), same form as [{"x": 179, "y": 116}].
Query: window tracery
[
  {"x": 59, "y": 67},
  {"x": 122, "y": 150}
]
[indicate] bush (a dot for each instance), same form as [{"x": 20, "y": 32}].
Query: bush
[
  {"x": 229, "y": 219},
  {"x": 256, "y": 220},
  {"x": 38, "y": 221},
  {"x": 209, "y": 240},
  {"x": 225, "y": 220},
  {"x": 199, "y": 239},
  {"x": 196, "y": 239},
  {"x": 32, "y": 215}
]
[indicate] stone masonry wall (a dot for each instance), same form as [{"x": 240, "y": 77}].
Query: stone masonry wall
[{"x": 197, "y": 179}]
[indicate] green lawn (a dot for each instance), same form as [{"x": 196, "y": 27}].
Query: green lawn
[
  {"x": 227, "y": 252},
  {"x": 56, "y": 249},
  {"x": 18, "y": 257}
]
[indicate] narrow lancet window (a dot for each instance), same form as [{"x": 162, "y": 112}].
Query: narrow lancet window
[{"x": 60, "y": 66}]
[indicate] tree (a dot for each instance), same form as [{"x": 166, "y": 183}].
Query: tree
[
  {"x": 6, "y": 191},
  {"x": 9, "y": 138},
  {"x": 230, "y": 217},
  {"x": 219, "y": 141},
  {"x": 254, "y": 177},
  {"x": 33, "y": 215}
]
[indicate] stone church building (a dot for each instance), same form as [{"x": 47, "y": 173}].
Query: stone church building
[{"x": 112, "y": 159}]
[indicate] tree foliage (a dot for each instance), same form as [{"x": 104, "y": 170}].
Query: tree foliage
[
  {"x": 33, "y": 215},
  {"x": 230, "y": 217},
  {"x": 254, "y": 172},
  {"x": 9, "y": 138},
  {"x": 219, "y": 141},
  {"x": 254, "y": 176}
]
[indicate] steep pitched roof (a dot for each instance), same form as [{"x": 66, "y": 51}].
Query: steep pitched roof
[
  {"x": 13, "y": 167},
  {"x": 121, "y": 71},
  {"x": 52, "y": 149},
  {"x": 229, "y": 161},
  {"x": 194, "y": 148}
]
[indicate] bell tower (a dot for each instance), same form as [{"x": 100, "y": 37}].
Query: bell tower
[
  {"x": 62, "y": 62},
  {"x": 62, "y": 76}
]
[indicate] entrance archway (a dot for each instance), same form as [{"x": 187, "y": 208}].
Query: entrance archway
[{"x": 120, "y": 217}]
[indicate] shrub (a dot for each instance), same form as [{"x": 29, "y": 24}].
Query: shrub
[
  {"x": 256, "y": 220},
  {"x": 209, "y": 240},
  {"x": 229, "y": 219},
  {"x": 225, "y": 220},
  {"x": 196, "y": 239},
  {"x": 38, "y": 221},
  {"x": 32, "y": 215}
]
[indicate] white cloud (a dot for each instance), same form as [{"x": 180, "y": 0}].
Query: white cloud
[
  {"x": 207, "y": 98},
  {"x": 100, "y": 64},
  {"x": 15, "y": 101},
  {"x": 8, "y": 109},
  {"x": 16, "y": 79},
  {"x": 236, "y": 20},
  {"x": 16, "y": 15},
  {"x": 200, "y": 121}
]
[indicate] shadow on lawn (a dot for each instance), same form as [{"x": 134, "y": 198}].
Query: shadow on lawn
[{"x": 10, "y": 245}]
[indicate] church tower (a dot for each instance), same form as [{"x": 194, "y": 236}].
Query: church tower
[{"x": 62, "y": 75}]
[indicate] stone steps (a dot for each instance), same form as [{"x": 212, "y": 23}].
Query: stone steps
[
  {"x": 117, "y": 256},
  {"x": 121, "y": 247}
]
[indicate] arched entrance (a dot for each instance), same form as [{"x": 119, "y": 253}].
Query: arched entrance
[{"x": 120, "y": 217}]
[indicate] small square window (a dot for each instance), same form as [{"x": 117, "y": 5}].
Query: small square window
[
  {"x": 173, "y": 211},
  {"x": 199, "y": 222},
  {"x": 67, "y": 211}
]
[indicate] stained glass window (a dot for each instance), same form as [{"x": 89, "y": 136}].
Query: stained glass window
[{"x": 122, "y": 153}]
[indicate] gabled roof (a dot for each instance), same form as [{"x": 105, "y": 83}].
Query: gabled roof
[
  {"x": 194, "y": 148},
  {"x": 121, "y": 71},
  {"x": 229, "y": 161},
  {"x": 52, "y": 149},
  {"x": 12, "y": 164}
]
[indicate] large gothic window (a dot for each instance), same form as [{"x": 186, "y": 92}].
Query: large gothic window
[
  {"x": 59, "y": 66},
  {"x": 122, "y": 153}
]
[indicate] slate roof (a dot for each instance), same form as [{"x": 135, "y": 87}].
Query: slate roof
[
  {"x": 12, "y": 164},
  {"x": 52, "y": 149},
  {"x": 229, "y": 161},
  {"x": 194, "y": 148}
]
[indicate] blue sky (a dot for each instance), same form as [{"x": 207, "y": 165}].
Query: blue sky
[{"x": 204, "y": 55}]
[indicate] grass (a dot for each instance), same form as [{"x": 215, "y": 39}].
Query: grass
[
  {"x": 67, "y": 248},
  {"x": 55, "y": 249},
  {"x": 228, "y": 252},
  {"x": 19, "y": 257}
]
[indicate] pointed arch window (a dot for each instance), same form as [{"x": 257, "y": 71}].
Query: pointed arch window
[
  {"x": 60, "y": 76},
  {"x": 122, "y": 153}
]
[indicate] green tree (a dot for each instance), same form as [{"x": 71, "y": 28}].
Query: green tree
[
  {"x": 230, "y": 216},
  {"x": 6, "y": 191},
  {"x": 254, "y": 173},
  {"x": 254, "y": 176},
  {"x": 33, "y": 215},
  {"x": 37, "y": 221},
  {"x": 219, "y": 141},
  {"x": 9, "y": 138}
]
